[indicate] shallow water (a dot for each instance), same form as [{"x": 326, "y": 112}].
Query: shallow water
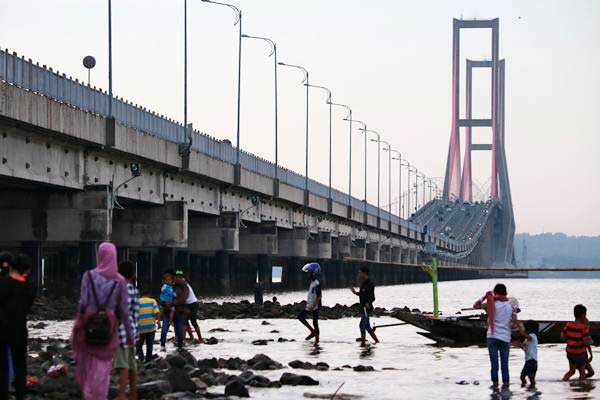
[{"x": 421, "y": 371}]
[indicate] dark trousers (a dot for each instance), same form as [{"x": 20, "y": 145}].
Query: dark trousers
[
  {"x": 192, "y": 316},
  {"x": 19, "y": 356},
  {"x": 179, "y": 325},
  {"x": 498, "y": 347},
  {"x": 148, "y": 340}
]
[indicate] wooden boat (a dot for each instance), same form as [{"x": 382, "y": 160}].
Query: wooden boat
[{"x": 471, "y": 329}]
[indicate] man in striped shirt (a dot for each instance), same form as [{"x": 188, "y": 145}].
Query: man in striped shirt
[
  {"x": 577, "y": 336},
  {"x": 125, "y": 362},
  {"x": 149, "y": 316}
]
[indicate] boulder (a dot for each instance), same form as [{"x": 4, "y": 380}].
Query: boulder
[
  {"x": 297, "y": 380},
  {"x": 180, "y": 381},
  {"x": 363, "y": 368},
  {"x": 176, "y": 361},
  {"x": 153, "y": 388},
  {"x": 236, "y": 387},
  {"x": 261, "y": 362}
]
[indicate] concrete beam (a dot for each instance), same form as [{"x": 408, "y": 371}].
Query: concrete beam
[
  {"x": 56, "y": 216},
  {"x": 160, "y": 226},
  {"x": 214, "y": 233}
]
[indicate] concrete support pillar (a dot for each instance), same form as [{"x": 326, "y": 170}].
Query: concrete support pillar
[
  {"x": 320, "y": 247},
  {"x": 214, "y": 233},
  {"x": 223, "y": 272},
  {"x": 152, "y": 226},
  {"x": 359, "y": 249},
  {"x": 293, "y": 243},
  {"x": 405, "y": 255},
  {"x": 259, "y": 239},
  {"x": 264, "y": 269},
  {"x": 396, "y": 254},
  {"x": 344, "y": 246},
  {"x": 373, "y": 251},
  {"x": 385, "y": 253}
]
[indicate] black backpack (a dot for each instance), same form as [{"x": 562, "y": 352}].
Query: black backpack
[{"x": 98, "y": 328}]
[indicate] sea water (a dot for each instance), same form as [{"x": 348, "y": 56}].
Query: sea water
[{"x": 407, "y": 365}]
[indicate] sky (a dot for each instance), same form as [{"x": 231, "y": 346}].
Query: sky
[{"x": 389, "y": 60}]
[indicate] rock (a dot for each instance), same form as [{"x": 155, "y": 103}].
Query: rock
[
  {"x": 260, "y": 342},
  {"x": 176, "y": 361},
  {"x": 262, "y": 362},
  {"x": 363, "y": 368},
  {"x": 211, "y": 341},
  {"x": 209, "y": 379},
  {"x": 200, "y": 384},
  {"x": 282, "y": 340},
  {"x": 297, "y": 380},
  {"x": 322, "y": 366},
  {"x": 274, "y": 331},
  {"x": 219, "y": 330},
  {"x": 236, "y": 388},
  {"x": 234, "y": 363},
  {"x": 259, "y": 381},
  {"x": 39, "y": 325},
  {"x": 180, "y": 381},
  {"x": 188, "y": 357},
  {"x": 179, "y": 396},
  {"x": 462, "y": 383},
  {"x": 265, "y": 323},
  {"x": 246, "y": 376},
  {"x": 275, "y": 384},
  {"x": 153, "y": 388},
  {"x": 208, "y": 363}
]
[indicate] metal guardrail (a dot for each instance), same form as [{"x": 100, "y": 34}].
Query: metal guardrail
[{"x": 49, "y": 83}]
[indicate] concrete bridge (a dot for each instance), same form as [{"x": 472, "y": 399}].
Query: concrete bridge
[{"x": 67, "y": 183}]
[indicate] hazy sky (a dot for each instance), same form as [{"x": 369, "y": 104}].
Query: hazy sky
[{"x": 389, "y": 60}]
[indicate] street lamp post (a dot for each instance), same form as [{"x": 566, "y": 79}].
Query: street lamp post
[
  {"x": 389, "y": 151},
  {"x": 378, "y": 172},
  {"x": 416, "y": 171},
  {"x": 349, "y": 119},
  {"x": 238, "y": 20},
  {"x": 364, "y": 129},
  {"x": 110, "y": 91},
  {"x": 274, "y": 54},
  {"x": 399, "y": 158},
  {"x": 408, "y": 167},
  {"x": 330, "y": 133},
  {"x": 305, "y": 80}
]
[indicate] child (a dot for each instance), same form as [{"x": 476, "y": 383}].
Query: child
[
  {"x": 366, "y": 294},
  {"x": 529, "y": 346},
  {"x": 125, "y": 361},
  {"x": 148, "y": 318},
  {"x": 313, "y": 301},
  {"x": 577, "y": 336},
  {"x": 167, "y": 295}
]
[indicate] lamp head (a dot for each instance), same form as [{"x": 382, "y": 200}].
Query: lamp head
[{"x": 243, "y": 35}]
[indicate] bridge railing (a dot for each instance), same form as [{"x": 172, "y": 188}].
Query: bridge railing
[{"x": 54, "y": 85}]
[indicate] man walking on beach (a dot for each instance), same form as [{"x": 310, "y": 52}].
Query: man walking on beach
[
  {"x": 366, "y": 295},
  {"x": 313, "y": 301}
]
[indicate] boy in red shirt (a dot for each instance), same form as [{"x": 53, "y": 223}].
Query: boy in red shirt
[{"x": 577, "y": 336}]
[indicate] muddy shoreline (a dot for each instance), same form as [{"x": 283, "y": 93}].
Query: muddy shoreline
[{"x": 178, "y": 375}]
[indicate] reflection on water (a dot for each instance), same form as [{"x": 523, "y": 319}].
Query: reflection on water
[{"x": 407, "y": 366}]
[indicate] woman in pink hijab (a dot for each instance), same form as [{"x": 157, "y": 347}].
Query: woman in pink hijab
[{"x": 94, "y": 362}]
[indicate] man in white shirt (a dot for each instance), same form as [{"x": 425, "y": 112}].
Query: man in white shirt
[
  {"x": 501, "y": 317},
  {"x": 313, "y": 301}
]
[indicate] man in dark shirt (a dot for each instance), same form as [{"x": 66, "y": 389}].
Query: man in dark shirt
[
  {"x": 16, "y": 299},
  {"x": 366, "y": 295}
]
